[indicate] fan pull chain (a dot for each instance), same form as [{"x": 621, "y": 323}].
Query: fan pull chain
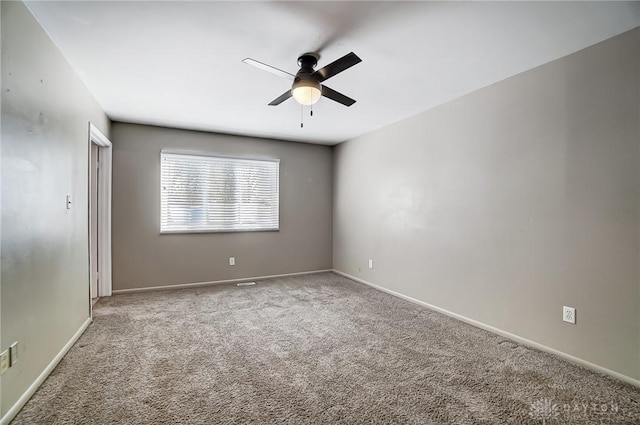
[
  {"x": 311, "y": 110},
  {"x": 301, "y": 116}
]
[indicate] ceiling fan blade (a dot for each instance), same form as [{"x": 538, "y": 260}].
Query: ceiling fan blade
[
  {"x": 284, "y": 96},
  {"x": 338, "y": 97},
  {"x": 335, "y": 67},
  {"x": 269, "y": 68}
]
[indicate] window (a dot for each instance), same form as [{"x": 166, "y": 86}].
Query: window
[{"x": 208, "y": 193}]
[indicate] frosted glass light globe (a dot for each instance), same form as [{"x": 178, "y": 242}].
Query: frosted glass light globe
[{"x": 306, "y": 92}]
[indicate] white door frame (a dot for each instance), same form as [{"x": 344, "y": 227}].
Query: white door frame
[{"x": 104, "y": 211}]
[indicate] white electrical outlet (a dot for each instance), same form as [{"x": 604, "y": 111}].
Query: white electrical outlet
[
  {"x": 370, "y": 264},
  {"x": 4, "y": 361},
  {"x": 13, "y": 354},
  {"x": 232, "y": 261},
  {"x": 569, "y": 314}
]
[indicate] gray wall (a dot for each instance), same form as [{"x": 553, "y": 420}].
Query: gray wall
[
  {"x": 508, "y": 203},
  {"x": 142, "y": 257},
  {"x": 45, "y": 114}
]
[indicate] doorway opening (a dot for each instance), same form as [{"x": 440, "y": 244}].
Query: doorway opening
[
  {"x": 99, "y": 216},
  {"x": 94, "y": 178}
]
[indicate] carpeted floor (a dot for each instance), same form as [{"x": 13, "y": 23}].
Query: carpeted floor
[{"x": 315, "y": 349}]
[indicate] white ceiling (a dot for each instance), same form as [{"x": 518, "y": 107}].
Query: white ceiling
[{"x": 179, "y": 64}]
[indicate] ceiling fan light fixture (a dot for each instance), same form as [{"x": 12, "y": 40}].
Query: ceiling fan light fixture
[
  {"x": 306, "y": 92},
  {"x": 307, "y": 88}
]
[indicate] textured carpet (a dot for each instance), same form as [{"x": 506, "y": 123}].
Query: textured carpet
[{"x": 310, "y": 349}]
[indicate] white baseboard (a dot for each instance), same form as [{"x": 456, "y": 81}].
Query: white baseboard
[
  {"x": 214, "y": 282},
  {"x": 513, "y": 337},
  {"x": 13, "y": 411}
]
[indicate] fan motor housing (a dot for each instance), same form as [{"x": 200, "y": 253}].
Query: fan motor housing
[
  {"x": 305, "y": 80},
  {"x": 307, "y": 62}
]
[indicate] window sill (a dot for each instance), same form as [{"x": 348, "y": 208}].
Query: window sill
[{"x": 178, "y": 232}]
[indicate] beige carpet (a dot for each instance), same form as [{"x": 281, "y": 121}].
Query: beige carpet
[{"x": 315, "y": 349}]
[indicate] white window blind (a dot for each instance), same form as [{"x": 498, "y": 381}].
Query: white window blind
[{"x": 205, "y": 193}]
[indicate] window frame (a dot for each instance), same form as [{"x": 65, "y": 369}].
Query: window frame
[{"x": 224, "y": 156}]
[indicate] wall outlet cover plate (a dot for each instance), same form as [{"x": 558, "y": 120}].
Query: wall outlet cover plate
[
  {"x": 4, "y": 361},
  {"x": 569, "y": 314}
]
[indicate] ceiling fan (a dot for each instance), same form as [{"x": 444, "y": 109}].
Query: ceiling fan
[{"x": 307, "y": 88}]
